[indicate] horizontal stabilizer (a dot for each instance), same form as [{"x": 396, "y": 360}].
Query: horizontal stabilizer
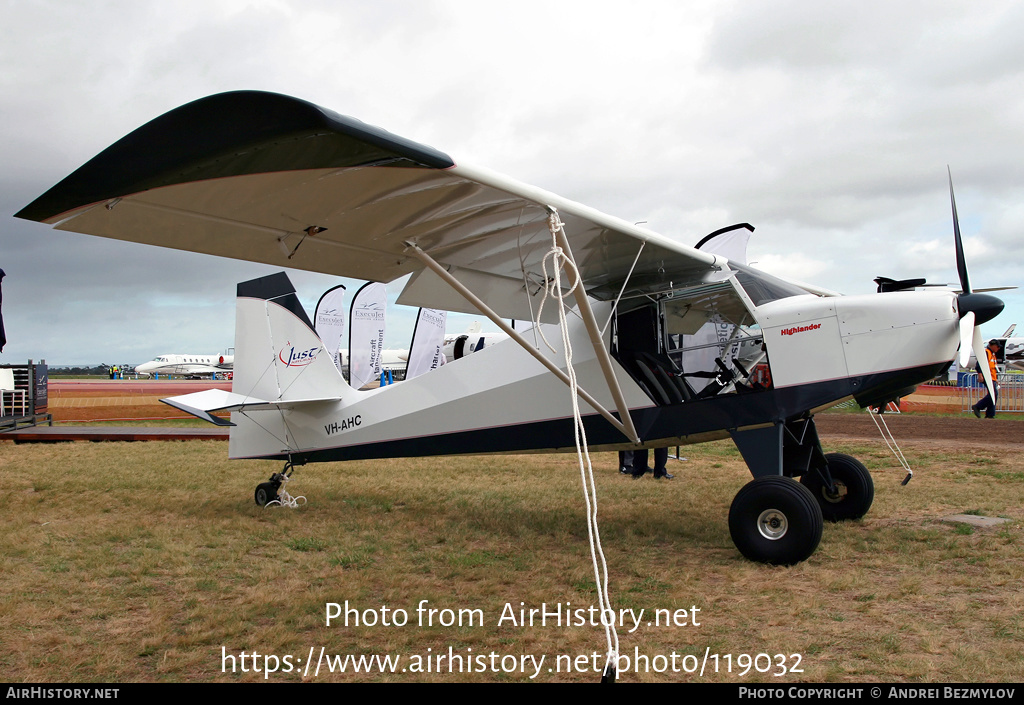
[{"x": 202, "y": 404}]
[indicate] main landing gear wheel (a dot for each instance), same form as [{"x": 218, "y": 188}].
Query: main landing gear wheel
[
  {"x": 854, "y": 490},
  {"x": 775, "y": 519}
]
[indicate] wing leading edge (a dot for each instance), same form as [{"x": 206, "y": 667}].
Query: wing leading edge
[{"x": 273, "y": 179}]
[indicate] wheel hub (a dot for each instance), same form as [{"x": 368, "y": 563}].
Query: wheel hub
[
  {"x": 772, "y": 524},
  {"x": 835, "y": 497}
]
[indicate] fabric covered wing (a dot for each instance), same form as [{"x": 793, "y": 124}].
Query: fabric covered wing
[{"x": 273, "y": 179}]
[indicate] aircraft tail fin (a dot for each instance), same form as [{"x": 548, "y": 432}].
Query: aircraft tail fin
[
  {"x": 278, "y": 355},
  {"x": 280, "y": 361}
]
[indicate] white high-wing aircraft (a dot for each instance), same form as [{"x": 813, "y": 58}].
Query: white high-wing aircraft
[
  {"x": 187, "y": 365},
  {"x": 282, "y": 181}
]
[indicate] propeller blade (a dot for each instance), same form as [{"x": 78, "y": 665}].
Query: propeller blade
[
  {"x": 966, "y": 337},
  {"x": 986, "y": 371},
  {"x": 974, "y": 308},
  {"x": 961, "y": 263},
  {"x": 995, "y": 288}
]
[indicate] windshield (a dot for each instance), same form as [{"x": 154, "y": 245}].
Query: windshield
[{"x": 762, "y": 287}]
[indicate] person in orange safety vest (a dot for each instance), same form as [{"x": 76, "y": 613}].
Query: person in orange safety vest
[{"x": 988, "y": 404}]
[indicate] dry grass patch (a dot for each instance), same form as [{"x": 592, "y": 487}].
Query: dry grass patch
[{"x": 139, "y": 562}]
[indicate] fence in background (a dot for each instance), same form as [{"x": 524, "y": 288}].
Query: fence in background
[
  {"x": 1009, "y": 395},
  {"x": 26, "y": 403}
]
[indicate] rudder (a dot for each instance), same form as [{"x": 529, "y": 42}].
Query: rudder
[{"x": 278, "y": 355}]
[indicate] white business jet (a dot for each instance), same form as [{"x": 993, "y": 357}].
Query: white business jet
[{"x": 187, "y": 365}]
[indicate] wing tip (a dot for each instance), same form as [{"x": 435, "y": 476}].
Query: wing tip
[{"x": 198, "y": 413}]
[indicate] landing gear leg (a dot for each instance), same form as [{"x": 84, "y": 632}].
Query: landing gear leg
[
  {"x": 776, "y": 519},
  {"x": 840, "y": 483}
]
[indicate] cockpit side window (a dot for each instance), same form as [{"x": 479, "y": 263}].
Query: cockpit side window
[
  {"x": 696, "y": 343},
  {"x": 714, "y": 341}
]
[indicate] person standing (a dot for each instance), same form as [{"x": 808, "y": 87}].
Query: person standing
[
  {"x": 626, "y": 462},
  {"x": 660, "y": 460},
  {"x": 988, "y": 403}
]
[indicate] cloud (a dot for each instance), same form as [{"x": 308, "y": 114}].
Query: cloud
[{"x": 829, "y": 127}]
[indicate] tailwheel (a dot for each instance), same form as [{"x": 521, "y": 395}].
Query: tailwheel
[
  {"x": 274, "y": 492},
  {"x": 266, "y": 492},
  {"x": 852, "y": 492},
  {"x": 775, "y": 519}
]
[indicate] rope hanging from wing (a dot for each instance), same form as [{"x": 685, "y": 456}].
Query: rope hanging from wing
[
  {"x": 890, "y": 441},
  {"x": 560, "y": 260},
  {"x": 283, "y": 498}
]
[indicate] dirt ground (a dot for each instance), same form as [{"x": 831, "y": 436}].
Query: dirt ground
[
  {"x": 956, "y": 430},
  {"x": 100, "y": 409},
  {"x": 116, "y": 400}
]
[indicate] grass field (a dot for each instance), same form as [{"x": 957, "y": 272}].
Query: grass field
[{"x": 150, "y": 562}]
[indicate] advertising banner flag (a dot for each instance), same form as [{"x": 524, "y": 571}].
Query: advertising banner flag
[
  {"x": 729, "y": 242},
  {"x": 366, "y": 333},
  {"x": 329, "y": 321},
  {"x": 427, "y": 340}
]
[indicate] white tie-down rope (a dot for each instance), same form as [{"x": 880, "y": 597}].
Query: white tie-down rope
[
  {"x": 284, "y": 499},
  {"x": 893, "y": 447},
  {"x": 553, "y": 288}
]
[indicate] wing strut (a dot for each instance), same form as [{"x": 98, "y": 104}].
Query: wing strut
[
  {"x": 627, "y": 429},
  {"x": 599, "y": 349}
]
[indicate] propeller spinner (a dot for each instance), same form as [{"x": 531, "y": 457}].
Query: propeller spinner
[{"x": 974, "y": 309}]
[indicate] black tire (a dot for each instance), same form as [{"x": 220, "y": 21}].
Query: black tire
[
  {"x": 775, "y": 519},
  {"x": 265, "y": 492},
  {"x": 855, "y": 491}
]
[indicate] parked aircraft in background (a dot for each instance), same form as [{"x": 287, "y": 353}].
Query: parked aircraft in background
[
  {"x": 455, "y": 347},
  {"x": 470, "y": 341},
  {"x": 187, "y": 365},
  {"x": 1010, "y": 355},
  {"x": 1011, "y": 352}
]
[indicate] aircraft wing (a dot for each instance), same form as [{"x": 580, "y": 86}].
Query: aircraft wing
[{"x": 273, "y": 179}]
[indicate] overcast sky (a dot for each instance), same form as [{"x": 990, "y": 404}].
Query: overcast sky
[{"x": 828, "y": 126}]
